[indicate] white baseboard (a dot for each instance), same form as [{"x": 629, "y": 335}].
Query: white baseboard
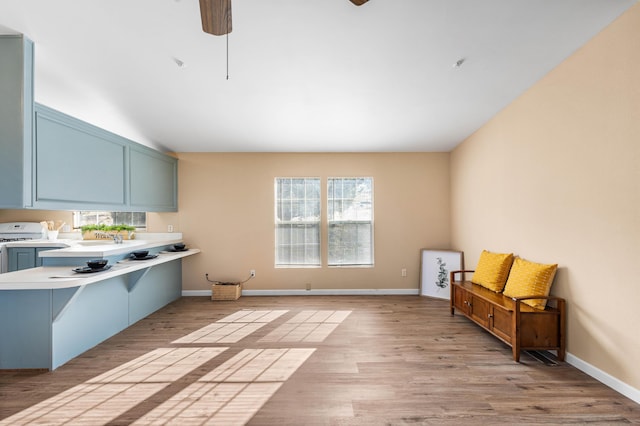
[
  {"x": 316, "y": 292},
  {"x": 607, "y": 379},
  {"x": 333, "y": 292},
  {"x": 189, "y": 293}
]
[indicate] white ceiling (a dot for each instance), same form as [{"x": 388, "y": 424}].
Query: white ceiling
[{"x": 304, "y": 75}]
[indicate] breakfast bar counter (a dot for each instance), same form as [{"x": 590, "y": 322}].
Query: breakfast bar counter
[
  {"x": 57, "y": 277},
  {"x": 51, "y": 314}
]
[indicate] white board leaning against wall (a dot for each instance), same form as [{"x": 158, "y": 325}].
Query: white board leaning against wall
[{"x": 435, "y": 266}]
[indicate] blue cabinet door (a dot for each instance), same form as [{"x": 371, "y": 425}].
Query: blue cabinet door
[
  {"x": 21, "y": 258},
  {"x": 77, "y": 165},
  {"x": 153, "y": 180},
  {"x": 25, "y": 257}
]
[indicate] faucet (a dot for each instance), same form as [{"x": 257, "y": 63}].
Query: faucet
[{"x": 117, "y": 238}]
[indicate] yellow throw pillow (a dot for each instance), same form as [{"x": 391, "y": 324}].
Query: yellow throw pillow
[
  {"x": 492, "y": 270},
  {"x": 530, "y": 279}
]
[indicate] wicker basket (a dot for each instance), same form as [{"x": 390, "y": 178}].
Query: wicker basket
[{"x": 226, "y": 291}]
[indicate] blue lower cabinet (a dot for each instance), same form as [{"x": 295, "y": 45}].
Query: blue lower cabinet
[
  {"x": 86, "y": 317},
  {"x": 25, "y": 329},
  {"x": 25, "y": 257},
  {"x": 47, "y": 328},
  {"x": 21, "y": 258},
  {"x": 152, "y": 288}
]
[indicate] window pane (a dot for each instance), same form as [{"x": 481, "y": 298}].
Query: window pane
[
  {"x": 312, "y": 209},
  {"x": 82, "y": 218},
  {"x": 312, "y": 189},
  {"x": 350, "y": 221},
  {"x": 297, "y": 221},
  {"x": 298, "y": 189},
  {"x": 298, "y": 244},
  {"x": 284, "y": 211}
]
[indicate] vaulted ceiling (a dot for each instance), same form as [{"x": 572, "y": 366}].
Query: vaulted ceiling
[{"x": 303, "y": 75}]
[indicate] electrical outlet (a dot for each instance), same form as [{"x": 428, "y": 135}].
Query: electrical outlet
[
  {"x": 169, "y": 228},
  {"x": 252, "y": 273},
  {"x": 403, "y": 272}
]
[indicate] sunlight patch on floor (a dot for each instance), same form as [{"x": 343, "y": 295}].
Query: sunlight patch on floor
[
  {"x": 307, "y": 326},
  {"x": 86, "y": 404},
  {"x": 105, "y": 397},
  {"x": 224, "y": 333},
  {"x": 212, "y": 404},
  {"x": 232, "y": 328},
  {"x": 160, "y": 365},
  {"x": 246, "y": 315},
  {"x": 232, "y": 393},
  {"x": 260, "y": 365}
]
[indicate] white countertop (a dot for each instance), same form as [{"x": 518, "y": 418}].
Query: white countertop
[
  {"x": 58, "y": 277},
  {"x": 98, "y": 248},
  {"x": 39, "y": 243}
]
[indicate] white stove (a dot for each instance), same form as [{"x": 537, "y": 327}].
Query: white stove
[{"x": 17, "y": 231}]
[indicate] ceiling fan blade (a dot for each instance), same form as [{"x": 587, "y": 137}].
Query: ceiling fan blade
[
  {"x": 359, "y": 2},
  {"x": 216, "y": 16}
]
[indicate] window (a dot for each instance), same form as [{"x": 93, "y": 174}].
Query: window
[
  {"x": 350, "y": 221},
  {"x": 297, "y": 220},
  {"x": 137, "y": 219}
]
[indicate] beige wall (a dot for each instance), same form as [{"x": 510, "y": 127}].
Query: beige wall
[
  {"x": 35, "y": 216},
  {"x": 555, "y": 178},
  {"x": 227, "y": 210}
]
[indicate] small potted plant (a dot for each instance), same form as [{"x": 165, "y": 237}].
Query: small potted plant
[{"x": 105, "y": 232}]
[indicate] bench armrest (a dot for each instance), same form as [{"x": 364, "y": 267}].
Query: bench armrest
[
  {"x": 452, "y": 274},
  {"x": 536, "y": 297},
  {"x": 559, "y": 301}
]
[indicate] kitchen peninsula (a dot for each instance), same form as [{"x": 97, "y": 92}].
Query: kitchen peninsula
[{"x": 50, "y": 314}]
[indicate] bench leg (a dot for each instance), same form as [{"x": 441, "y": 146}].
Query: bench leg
[
  {"x": 515, "y": 331},
  {"x": 562, "y": 308}
]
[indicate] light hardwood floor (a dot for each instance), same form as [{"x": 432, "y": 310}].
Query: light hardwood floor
[{"x": 343, "y": 360}]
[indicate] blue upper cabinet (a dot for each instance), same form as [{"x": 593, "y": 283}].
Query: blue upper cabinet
[
  {"x": 77, "y": 164},
  {"x": 16, "y": 112},
  {"x": 153, "y": 180},
  {"x": 51, "y": 161},
  {"x": 82, "y": 167}
]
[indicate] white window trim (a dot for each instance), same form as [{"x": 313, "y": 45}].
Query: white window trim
[{"x": 291, "y": 222}]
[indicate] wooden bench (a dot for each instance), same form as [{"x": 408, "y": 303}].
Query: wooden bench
[{"x": 515, "y": 323}]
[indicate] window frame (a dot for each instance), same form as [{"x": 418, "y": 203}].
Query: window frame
[
  {"x": 278, "y": 222},
  {"x": 370, "y": 221},
  {"x": 77, "y": 222}
]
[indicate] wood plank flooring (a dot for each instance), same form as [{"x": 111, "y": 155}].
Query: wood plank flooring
[{"x": 334, "y": 360}]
